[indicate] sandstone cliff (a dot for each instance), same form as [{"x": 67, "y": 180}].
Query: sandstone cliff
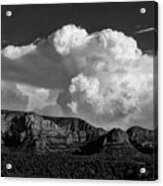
[
  {"x": 144, "y": 140},
  {"x": 25, "y": 130},
  {"x": 135, "y": 139},
  {"x": 28, "y": 129}
]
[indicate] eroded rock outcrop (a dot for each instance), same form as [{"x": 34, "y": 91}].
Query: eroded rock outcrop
[
  {"x": 116, "y": 136},
  {"x": 142, "y": 139},
  {"x": 134, "y": 140},
  {"x": 28, "y": 129}
]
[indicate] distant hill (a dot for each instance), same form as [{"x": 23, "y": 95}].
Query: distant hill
[
  {"x": 144, "y": 140},
  {"x": 134, "y": 140}
]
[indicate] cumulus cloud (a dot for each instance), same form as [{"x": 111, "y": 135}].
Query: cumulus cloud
[
  {"x": 15, "y": 52},
  {"x": 73, "y": 106},
  {"x": 36, "y": 96},
  {"x": 16, "y": 96},
  {"x": 114, "y": 91},
  {"x": 12, "y": 98},
  {"x": 102, "y": 77},
  {"x": 42, "y": 67},
  {"x": 69, "y": 37},
  {"x": 114, "y": 80}
]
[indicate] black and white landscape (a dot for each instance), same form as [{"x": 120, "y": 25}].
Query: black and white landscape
[{"x": 79, "y": 91}]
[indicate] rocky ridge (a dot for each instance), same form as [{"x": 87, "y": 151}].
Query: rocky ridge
[
  {"x": 28, "y": 129},
  {"x": 44, "y": 133}
]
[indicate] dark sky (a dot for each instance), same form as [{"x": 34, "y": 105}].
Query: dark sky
[{"x": 29, "y": 22}]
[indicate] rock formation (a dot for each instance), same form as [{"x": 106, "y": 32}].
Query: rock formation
[
  {"x": 142, "y": 139},
  {"x": 28, "y": 129},
  {"x": 116, "y": 136},
  {"x": 136, "y": 139}
]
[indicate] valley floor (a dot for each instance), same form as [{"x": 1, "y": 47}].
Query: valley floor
[{"x": 117, "y": 165}]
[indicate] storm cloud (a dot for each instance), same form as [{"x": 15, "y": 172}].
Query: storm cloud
[{"x": 102, "y": 77}]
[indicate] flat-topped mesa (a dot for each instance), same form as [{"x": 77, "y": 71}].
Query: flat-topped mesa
[
  {"x": 30, "y": 130},
  {"x": 26, "y": 129}
]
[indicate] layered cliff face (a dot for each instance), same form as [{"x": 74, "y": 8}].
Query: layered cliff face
[
  {"x": 116, "y": 136},
  {"x": 29, "y": 130},
  {"x": 25, "y": 130},
  {"x": 144, "y": 140},
  {"x": 134, "y": 140}
]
